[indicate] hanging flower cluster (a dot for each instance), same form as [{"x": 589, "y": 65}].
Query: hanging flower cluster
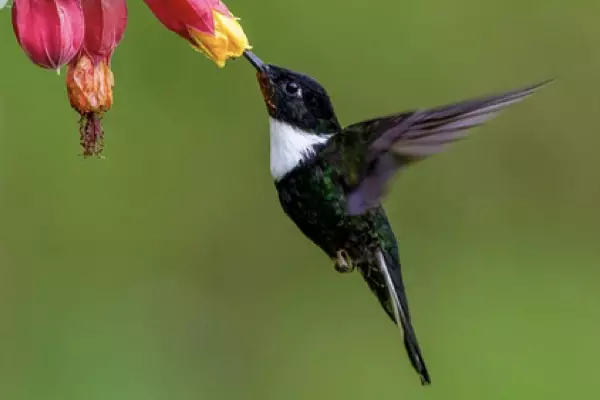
[{"x": 83, "y": 35}]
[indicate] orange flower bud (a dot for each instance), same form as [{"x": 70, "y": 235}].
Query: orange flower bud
[{"x": 89, "y": 87}]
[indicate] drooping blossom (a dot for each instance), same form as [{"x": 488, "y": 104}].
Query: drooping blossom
[
  {"x": 90, "y": 80},
  {"x": 50, "y": 32},
  {"x": 207, "y": 24}
]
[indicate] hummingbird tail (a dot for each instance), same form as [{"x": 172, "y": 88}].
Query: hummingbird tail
[{"x": 395, "y": 304}]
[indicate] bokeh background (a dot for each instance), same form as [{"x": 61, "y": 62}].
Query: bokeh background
[{"x": 168, "y": 270}]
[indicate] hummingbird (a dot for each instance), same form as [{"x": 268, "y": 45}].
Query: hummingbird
[{"x": 331, "y": 179}]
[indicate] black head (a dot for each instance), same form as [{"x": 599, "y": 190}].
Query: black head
[{"x": 295, "y": 98}]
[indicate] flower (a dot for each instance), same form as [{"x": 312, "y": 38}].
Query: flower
[
  {"x": 89, "y": 86},
  {"x": 50, "y": 32},
  {"x": 105, "y": 23},
  {"x": 207, "y": 24},
  {"x": 89, "y": 79}
]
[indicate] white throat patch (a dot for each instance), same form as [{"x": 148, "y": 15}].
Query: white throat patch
[{"x": 290, "y": 146}]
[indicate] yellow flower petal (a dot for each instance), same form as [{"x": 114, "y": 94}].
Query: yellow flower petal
[{"x": 227, "y": 41}]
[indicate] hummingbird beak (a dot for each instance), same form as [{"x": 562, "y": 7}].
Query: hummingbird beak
[
  {"x": 255, "y": 61},
  {"x": 264, "y": 82}
]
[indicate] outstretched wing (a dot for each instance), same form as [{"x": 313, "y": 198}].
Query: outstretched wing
[{"x": 369, "y": 153}]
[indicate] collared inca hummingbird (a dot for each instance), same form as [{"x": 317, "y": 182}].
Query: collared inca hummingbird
[{"x": 331, "y": 180}]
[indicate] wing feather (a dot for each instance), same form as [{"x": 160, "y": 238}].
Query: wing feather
[{"x": 369, "y": 153}]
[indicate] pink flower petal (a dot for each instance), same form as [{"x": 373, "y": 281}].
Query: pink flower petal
[
  {"x": 105, "y": 23},
  {"x": 50, "y": 32}
]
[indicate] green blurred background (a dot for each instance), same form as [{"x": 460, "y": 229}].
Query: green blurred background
[{"x": 168, "y": 271}]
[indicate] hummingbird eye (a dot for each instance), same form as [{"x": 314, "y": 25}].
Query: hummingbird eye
[{"x": 292, "y": 88}]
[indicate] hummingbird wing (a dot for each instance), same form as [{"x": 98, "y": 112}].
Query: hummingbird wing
[{"x": 368, "y": 154}]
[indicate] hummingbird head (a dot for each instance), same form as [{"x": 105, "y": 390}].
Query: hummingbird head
[{"x": 294, "y": 98}]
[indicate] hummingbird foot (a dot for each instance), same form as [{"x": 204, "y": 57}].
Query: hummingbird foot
[{"x": 343, "y": 263}]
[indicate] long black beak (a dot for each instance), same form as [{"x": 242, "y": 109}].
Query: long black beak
[{"x": 255, "y": 61}]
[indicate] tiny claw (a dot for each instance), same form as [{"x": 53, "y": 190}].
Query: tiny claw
[{"x": 343, "y": 263}]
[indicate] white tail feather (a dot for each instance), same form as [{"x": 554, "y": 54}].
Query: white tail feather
[{"x": 399, "y": 312}]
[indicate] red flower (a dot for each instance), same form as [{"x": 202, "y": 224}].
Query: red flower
[
  {"x": 206, "y": 24},
  {"x": 50, "y": 32},
  {"x": 105, "y": 23},
  {"x": 89, "y": 78}
]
